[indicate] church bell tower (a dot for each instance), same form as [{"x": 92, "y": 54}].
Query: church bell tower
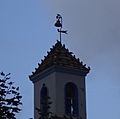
[{"x": 59, "y": 85}]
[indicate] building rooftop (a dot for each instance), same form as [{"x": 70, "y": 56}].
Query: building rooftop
[{"x": 60, "y": 56}]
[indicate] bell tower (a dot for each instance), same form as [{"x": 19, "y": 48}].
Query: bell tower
[{"x": 61, "y": 77}]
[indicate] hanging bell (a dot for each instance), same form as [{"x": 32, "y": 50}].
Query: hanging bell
[{"x": 58, "y": 24}]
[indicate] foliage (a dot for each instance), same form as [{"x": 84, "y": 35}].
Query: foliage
[
  {"x": 10, "y": 98},
  {"x": 44, "y": 111}
]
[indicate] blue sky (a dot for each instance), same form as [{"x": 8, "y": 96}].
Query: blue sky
[{"x": 27, "y": 32}]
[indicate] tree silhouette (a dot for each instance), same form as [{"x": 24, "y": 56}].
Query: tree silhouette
[
  {"x": 44, "y": 111},
  {"x": 10, "y": 98}
]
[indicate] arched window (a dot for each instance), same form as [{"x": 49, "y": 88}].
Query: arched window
[
  {"x": 44, "y": 100},
  {"x": 71, "y": 99}
]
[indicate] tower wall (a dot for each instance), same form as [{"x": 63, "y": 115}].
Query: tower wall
[
  {"x": 50, "y": 83},
  {"x": 61, "y": 80},
  {"x": 55, "y": 83}
]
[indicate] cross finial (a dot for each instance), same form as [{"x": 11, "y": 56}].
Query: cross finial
[{"x": 59, "y": 25}]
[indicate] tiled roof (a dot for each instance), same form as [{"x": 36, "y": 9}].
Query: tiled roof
[{"x": 60, "y": 56}]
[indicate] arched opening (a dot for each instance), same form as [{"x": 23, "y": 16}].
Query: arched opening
[
  {"x": 71, "y": 99},
  {"x": 44, "y": 100}
]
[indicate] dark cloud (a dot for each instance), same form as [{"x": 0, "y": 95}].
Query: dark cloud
[
  {"x": 91, "y": 24},
  {"x": 94, "y": 36}
]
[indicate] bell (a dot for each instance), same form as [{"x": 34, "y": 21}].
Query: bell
[{"x": 58, "y": 24}]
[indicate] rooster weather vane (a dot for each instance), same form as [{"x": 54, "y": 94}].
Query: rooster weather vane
[{"x": 59, "y": 25}]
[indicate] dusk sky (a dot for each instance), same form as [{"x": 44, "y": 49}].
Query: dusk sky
[{"x": 27, "y": 32}]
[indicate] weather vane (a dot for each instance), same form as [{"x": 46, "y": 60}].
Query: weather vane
[{"x": 59, "y": 25}]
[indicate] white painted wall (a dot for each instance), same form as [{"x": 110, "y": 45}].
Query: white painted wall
[
  {"x": 62, "y": 80},
  {"x": 50, "y": 84},
  {"x": 55, "y": 82}
]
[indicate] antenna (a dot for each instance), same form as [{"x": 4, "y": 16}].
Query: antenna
[{"x": 59, "y": 25}]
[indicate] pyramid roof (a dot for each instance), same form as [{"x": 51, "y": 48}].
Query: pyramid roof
[{"x": 60, "y": 56}]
